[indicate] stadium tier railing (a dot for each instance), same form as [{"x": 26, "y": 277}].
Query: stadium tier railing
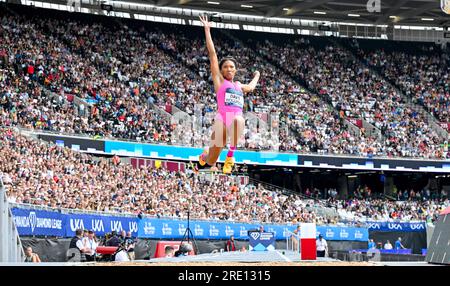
[
  {"x": 318, "y": 206},
  {"x": 272, "y": 187},
  {"x": 390, "y": 198},
  {"x": 11, "y": 249},
  {"x": 108, "y": 138}
]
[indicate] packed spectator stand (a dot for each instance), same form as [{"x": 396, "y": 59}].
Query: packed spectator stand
[{"x": 126, "y": 71}]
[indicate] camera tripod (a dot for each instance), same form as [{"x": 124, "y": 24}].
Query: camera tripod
[{"x": 188, "y": 236}]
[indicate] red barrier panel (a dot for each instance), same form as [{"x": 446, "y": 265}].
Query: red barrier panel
[
  {"x": 161, "y": 246},
  {"x": 106, "y": 249},
  {"x": 308, "y": 249}
]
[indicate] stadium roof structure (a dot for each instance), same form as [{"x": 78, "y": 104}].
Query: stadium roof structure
[
  {"x": 379, "y": 12},
  {"x": 405, "y": 20}
]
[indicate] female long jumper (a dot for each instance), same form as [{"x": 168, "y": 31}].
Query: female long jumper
[{"x": 230, "y": 100}]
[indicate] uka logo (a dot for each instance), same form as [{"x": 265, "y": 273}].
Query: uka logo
[
  {"x": 395, "y": 226},
  {"x": 76, "y": 224},
  {"x": 97, "y": 225},
  {"x": 133, "y": 226},
  {"x": 417, "y": 226},
  {"x": 116, "y": 225},
  {"x": 374, "y": 225}
]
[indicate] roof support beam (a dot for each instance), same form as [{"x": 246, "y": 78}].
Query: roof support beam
[
  {"x": 277, "y": 11},
  {"x": 421, "y": 9},
  {"x": 391, "y": 12}
]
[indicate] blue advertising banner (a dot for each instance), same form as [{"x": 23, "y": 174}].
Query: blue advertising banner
[
  {"x": 53, "y": 223},
  {"x": 37, "y": 222},
  {"x": 175, "y": 229},
  {"x": 343, "y": 233},
  {"x": 397, "y": 226},
  {"x": 100, "y": 224},
  {"x": 191, "y": 153},
  {"x": 162, "y": 228},
  {"x": 390, "y": 251}
]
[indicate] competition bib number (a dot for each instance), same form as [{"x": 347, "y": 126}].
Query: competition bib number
[{"x": 234, "y": 98}]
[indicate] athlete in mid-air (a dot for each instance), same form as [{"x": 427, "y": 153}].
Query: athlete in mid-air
[{"x": 230, "y": 103}]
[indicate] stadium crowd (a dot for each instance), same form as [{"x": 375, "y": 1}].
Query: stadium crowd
[
  {"x": 36, "y": 172},
  {"x": 424, "y": 77},
  {"x": 358, "y": 92},
  {"x": 370, "y": 209},
  {"x": 127, "y": 79}
]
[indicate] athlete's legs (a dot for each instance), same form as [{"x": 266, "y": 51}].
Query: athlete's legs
[
  {"x": 236, "y": 129},
  {"x": 218, "y": 141}
]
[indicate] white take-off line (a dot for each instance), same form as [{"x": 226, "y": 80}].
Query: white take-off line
[{"x": 283, "y": 256}]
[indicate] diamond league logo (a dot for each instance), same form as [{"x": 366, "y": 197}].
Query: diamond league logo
[
  {"x": 255, "y": 235},
  {"x": 33, "y": 220}
]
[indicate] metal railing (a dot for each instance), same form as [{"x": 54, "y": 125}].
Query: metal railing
[
  {"x": 319, "y": 206},
  {"x": 293, "y": 242},
  {"x": 11, "y": 249},
  {"x": 388, "y": 197},
  {"x": 271, "y": 187}
]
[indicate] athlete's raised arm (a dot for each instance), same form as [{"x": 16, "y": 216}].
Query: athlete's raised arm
[
  {"x": 252, "y": 85},
  {"x": 215, "y": 71}
]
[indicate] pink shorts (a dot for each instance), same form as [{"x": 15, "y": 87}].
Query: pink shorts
[{"x": 229, "y": 117}]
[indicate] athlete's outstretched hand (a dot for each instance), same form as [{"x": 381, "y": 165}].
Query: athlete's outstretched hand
[{"x": 205, "y": 21}]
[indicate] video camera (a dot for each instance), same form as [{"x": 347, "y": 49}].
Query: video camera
[
  {"x": 183, "y": 250},
  {"x": 213, "y": 17}
]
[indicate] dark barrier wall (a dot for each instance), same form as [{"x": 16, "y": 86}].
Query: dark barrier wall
[
  {"x": 413, "y": 240},
  {"x": 371, "y": 162},
  {"x": 54, "y": 250},
  {"x": 84, "y": 144},
  {"x": 345, "y": 245},
  {"x": 348, "y": 256},
  {"x": 49, "y": 250}
]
